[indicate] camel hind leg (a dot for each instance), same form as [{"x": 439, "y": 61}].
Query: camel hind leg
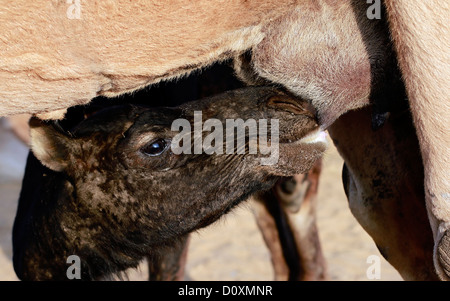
[
  {"x": 286, "y": 217},
  {"x": 421, "y": 35}
]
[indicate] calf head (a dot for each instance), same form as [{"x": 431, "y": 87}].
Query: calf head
[{"x": 115, "y": 190}]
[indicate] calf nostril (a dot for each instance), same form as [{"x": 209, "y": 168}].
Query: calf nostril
[{"x": 286, "y": 103}]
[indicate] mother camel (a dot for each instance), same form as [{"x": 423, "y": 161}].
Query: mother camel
[{"x": 56, "y": 54}]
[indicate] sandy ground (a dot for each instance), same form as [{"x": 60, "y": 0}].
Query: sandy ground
[{"x": 232, "y": 248}]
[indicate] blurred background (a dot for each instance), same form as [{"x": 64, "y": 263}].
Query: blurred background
[{"x": 232, "y": 248}]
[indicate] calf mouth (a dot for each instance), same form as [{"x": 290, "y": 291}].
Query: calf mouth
[
  {"x": 318, "y": 136},
  {"x": 301, "y": 139},
  {"x": 304, "y": 131}
]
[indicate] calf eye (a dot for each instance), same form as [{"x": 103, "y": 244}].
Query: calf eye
[{"x": 155, "y": 148}]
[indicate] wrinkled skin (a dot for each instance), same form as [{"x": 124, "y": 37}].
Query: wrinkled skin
[{"x": 111, "y": 204}]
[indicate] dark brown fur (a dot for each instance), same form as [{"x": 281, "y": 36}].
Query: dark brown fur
[{"x": 111, "y": 205}]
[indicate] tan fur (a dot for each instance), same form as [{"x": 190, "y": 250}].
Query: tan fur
[
  {"x": 422, "y": 34},
  {"x": 49, "y": 62},
  {"x": 318, "y": 53}
]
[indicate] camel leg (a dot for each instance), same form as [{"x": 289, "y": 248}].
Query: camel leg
[
  {"x": 286, "y": 218},
  {"x": 268, "y": 227},
  {"x": 383, "y": 179},
  {"x": 421, "y": 34}
]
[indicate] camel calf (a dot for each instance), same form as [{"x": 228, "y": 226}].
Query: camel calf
[{"x": 114, "y": 191}]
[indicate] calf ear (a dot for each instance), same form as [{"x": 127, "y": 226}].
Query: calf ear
[{"x": 49, "y": 145}]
